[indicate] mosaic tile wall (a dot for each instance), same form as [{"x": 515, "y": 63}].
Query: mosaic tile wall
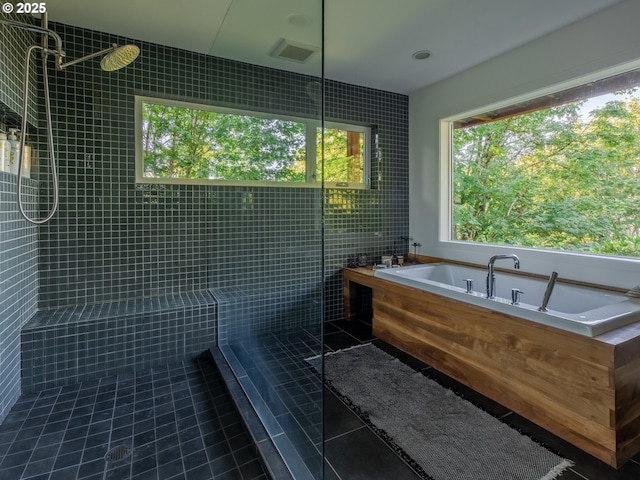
[
  {"x": 113, "y": 240},
  {"x": 18, "y": 239},
  {"x": 18, "y": 283},
  {"x": 376, "y": 221},
  {"x": 13, "y": 45}
]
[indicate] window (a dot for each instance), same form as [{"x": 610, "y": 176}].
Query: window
[
  {"x": 179, "y": 142},
  {"x": 345, "y": 154},
  {"x": 560, "y": 171}
]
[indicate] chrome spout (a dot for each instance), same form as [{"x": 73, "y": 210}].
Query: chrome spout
[
  {"x": 548, "y": 291},
  {"x": 491, "y": 278}
]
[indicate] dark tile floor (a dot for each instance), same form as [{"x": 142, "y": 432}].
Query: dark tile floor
[
  {"x": 173, "y": 423},
  {"x": 181, "y": 424},
  {"x": 354, "y": 452}
]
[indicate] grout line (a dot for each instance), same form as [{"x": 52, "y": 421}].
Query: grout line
[
  {"x": 363, "y": 426},
  {"x": 580, "y": 475},
  {"x": 346, "y": 433},
  {"x": 335, "y": 472},
  {"x": 315, "y": 357}
]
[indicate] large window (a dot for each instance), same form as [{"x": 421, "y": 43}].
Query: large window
[
  {"x": 560, "y": 171},
  {"x": 178, "y": 142}
]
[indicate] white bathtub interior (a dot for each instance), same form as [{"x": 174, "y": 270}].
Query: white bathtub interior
[{"x": 584, "y": 310}]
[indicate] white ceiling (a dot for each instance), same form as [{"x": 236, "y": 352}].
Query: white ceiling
[{"x": 367, "y": 42}]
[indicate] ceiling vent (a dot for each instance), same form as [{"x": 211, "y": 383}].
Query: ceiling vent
[{"x": 293, "y": 51}]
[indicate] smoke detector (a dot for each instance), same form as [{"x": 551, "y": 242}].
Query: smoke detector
[{"x": 293, "y": 51}]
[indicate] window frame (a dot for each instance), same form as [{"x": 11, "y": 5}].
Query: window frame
[
  {"x": 366, "y": 154},
  {"x": 446, "y": 167},
  {"x": 311, "y": 126}
]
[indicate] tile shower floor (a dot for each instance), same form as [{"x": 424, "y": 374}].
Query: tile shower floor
[{"x": 169, "y": 423}]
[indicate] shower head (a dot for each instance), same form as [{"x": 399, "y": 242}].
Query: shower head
[
  {"x": 116, "y": 57},
  {"x": 119, "y": 57}
]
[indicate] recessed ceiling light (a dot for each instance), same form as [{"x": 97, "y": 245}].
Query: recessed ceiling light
[{"x": 421, "y": 54}]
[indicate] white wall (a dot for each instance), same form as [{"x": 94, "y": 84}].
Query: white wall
[{"x": 608, "y": 39}]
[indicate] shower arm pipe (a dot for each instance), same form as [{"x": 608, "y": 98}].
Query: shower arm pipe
[
  {"x": 44, "y": 31},
  {"x": 54, "y": 175},
  {"x": 61, "y": 66}
]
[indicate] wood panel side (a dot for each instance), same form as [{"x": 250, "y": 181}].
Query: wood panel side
[
  {"x": 501, "y": 349},
  {"x": 489, "y": 321},
  {"x": 486, "y": 384},
  {"x": 560, "y": 392},
  {"x": 351, "y": 277},
  {"x": 554, "y": 379},
  {"x": 627, "y": 376}
]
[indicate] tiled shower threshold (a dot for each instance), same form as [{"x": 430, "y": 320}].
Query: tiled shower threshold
[
  {"x": 272, "y": 460},
  {"x": 280, "y": 397}
]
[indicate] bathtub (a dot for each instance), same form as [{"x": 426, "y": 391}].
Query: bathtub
[{"x": 583, "y": 310}]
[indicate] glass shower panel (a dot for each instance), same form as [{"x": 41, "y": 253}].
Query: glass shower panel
[{"x": 267, "y": 244}]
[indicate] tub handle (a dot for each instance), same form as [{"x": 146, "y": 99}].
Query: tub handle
[
  {"x": 469, "y": 284},
  {"x": 515, "y": 296}
]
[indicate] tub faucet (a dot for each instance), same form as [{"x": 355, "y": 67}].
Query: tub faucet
[{"x": 491, "y": 278}]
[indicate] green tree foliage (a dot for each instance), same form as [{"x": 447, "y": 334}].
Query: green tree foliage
[
  {"x": 343, "y": 161},
  {"x": 552, "y": 179},
  {"x": 188, "y": 143}
]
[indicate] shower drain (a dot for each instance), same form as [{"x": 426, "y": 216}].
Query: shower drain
[{"x": 118, "y": 453}]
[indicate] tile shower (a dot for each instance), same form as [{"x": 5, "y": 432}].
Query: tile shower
[{"x": 132, "y": 247}]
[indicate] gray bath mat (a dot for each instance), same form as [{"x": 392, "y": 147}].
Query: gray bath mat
[{"x": 441, "y": 435}]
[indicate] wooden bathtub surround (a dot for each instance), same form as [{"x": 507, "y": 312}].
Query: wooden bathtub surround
[
  {"x": 351, "y": 277},
  {"x": 585, "y": 390}
]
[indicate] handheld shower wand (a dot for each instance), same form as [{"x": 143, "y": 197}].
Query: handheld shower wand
[
  {"x": 116, "y": 57},
  {"x": 548, "y": 291},
  {"x": 58, "y": 53}
]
